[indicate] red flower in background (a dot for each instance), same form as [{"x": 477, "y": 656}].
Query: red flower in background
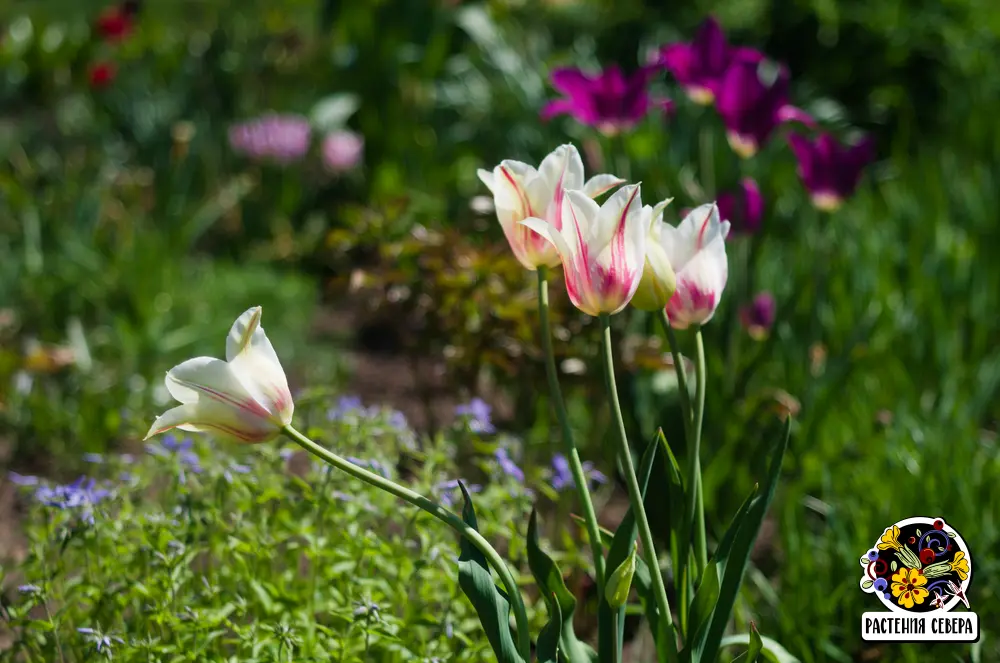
[
  {"x": 114, "y": 24},
  {"x": 102, "y": 74}
]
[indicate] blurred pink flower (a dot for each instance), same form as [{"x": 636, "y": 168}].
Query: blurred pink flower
[
  {"x": 743, "y": 207},
  {"x": 280, "y": 138},
  {"x": 342, "y": 150}
]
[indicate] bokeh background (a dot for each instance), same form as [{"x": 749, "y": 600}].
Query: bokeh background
[{"x": 135, "y": 227}]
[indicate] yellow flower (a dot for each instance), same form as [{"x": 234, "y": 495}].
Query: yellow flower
[
  {"x": 890, "y": 539},
  {"x": 960, "y": 565},
  {"x": 908, "y": 587}
]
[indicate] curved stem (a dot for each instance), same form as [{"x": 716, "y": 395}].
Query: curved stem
[
  {"x": 572, "y": 455},
  {"x": 635, "y": 494},
  {"x": 445, "y": 516}
]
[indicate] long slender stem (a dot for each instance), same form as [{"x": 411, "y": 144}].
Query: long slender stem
[
  {"x": 434, "y": 509},
  {"x": 635, "y": 494},
  {"x": 700, "y": 545},
  {"x": 572, "y": 455}
]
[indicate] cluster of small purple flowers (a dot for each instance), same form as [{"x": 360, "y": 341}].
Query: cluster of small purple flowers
[
  {"x": 80, "y": 497},
  {"x": 350, "y": 409},
  {"x": 285, "y": 138},
  {"x": 751, "y": 95},
  {"x": 179, "y": 450}
]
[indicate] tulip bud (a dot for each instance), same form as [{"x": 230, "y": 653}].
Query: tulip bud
[{"x": 620, "y": 582}]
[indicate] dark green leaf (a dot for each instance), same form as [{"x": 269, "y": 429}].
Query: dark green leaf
[
  {"x": 548, "y": 639},
  {"x": 557, "y": 596},
  {"x": 733, "y": 561},
  {"x": 756, "y": 644},
  {"x": 476, "y": 581}
]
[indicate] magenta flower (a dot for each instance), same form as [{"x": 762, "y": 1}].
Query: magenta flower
[
  {"x": 757, "y": 317},
  {"x": 610, "y": 101},
  {"x": 342, "y": 151},
  {"x": 829, "y": 170},
  {"x": 280, "y": 138},
  {"x": 700, "y": 65},
  {"x": 743, "y": 207},
  {"x": 751, "y": 108}
]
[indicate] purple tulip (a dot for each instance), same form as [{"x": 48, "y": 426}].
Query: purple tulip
[
  {"x": 757, "y": 317},
  {"x": 700, "y": 65},
  {"x": 610, "y": 101},
  {"x": 751, "y": 108},
  {"x": 829, "y": 170},
  {"x": 743, "y": 208}
]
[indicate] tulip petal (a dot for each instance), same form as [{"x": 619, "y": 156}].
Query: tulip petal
[
  {"x": 486, "y": 177},
  {"x": 551, "y": 235},
  {"x": 614, "y": 214},
  {"x": 255, "y": 364},
  {"x": 509, "y": 187},
  {"x": 600, "y": 184},
  {"x": 210, "y": 416},
  {"x": 562, "y": 168},
  {"x": 207, "y": 378}
]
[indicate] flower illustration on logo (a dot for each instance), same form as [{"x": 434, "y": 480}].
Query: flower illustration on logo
[
  {"x": 908, "y": 587},
  {"x": 918, "y": 565}
]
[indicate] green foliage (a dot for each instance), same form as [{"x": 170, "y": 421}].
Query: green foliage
[{"x": 216, "y": 552}]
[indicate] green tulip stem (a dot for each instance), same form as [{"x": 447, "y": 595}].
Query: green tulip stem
[
  {"x": 572, "y": 455},
  {"x": 635, "y": 494},
  {"x": 445, "y": 516}
]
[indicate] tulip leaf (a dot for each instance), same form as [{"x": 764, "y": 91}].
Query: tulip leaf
[
  {"x": 733, "y": 555},
  {"x": 703, "y": 604},
  {"x": 548, "y": 640},
  {"x": 608, "y": 637},
  {"x": 770, "y": 648},
  {"x": 490, "y": 602},
  {"x": 558, "y": 599}
]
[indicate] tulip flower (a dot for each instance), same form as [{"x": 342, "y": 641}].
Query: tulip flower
[
  {"x": 699, "y": 66},
  {"x": 743, "y": 207},
  {"x": 103, "y": 74},
  {"x": 520, "y": 191},
  {"x": 610, "y": 101},
  {"x": 697, "y": 251},
  {"x": 603, "y": 248},
  {"x": 244, "y": 398},
  {"x": 758, "y": 316},
  {"x": 658, "y": 279},
  {"x": 751, "y": 107},
  {"x": 829, "y": 170}
]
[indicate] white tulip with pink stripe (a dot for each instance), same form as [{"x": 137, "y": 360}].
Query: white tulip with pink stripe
[
  {"x": 602, "y": 247},
  {"x": 520, "y": 192},
  {"x": 245, "y": 398},
  {"x": 697, "y": 251}
]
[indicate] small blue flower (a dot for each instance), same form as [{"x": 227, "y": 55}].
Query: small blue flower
[
  {"x": 508, "y": 465},
  {"x": 562, "y": 476},
  {"x": 888, "y": 596},
  {"x": 81, "y": 495},
  {"x": 477, "y": 413},
  {"x": 22, "y": 479},
  {"x": 880, "y": 584},
  {"x": 170, "y": 446},
  {"x": 93, "y": 458},
  {"x": 346, "y": 405},
  {"x": 29, "y": 589},
  {"x": 446, "y": 491},
  {"x": 872, "y": 555},
  {"x": 101, "y": 641}
]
